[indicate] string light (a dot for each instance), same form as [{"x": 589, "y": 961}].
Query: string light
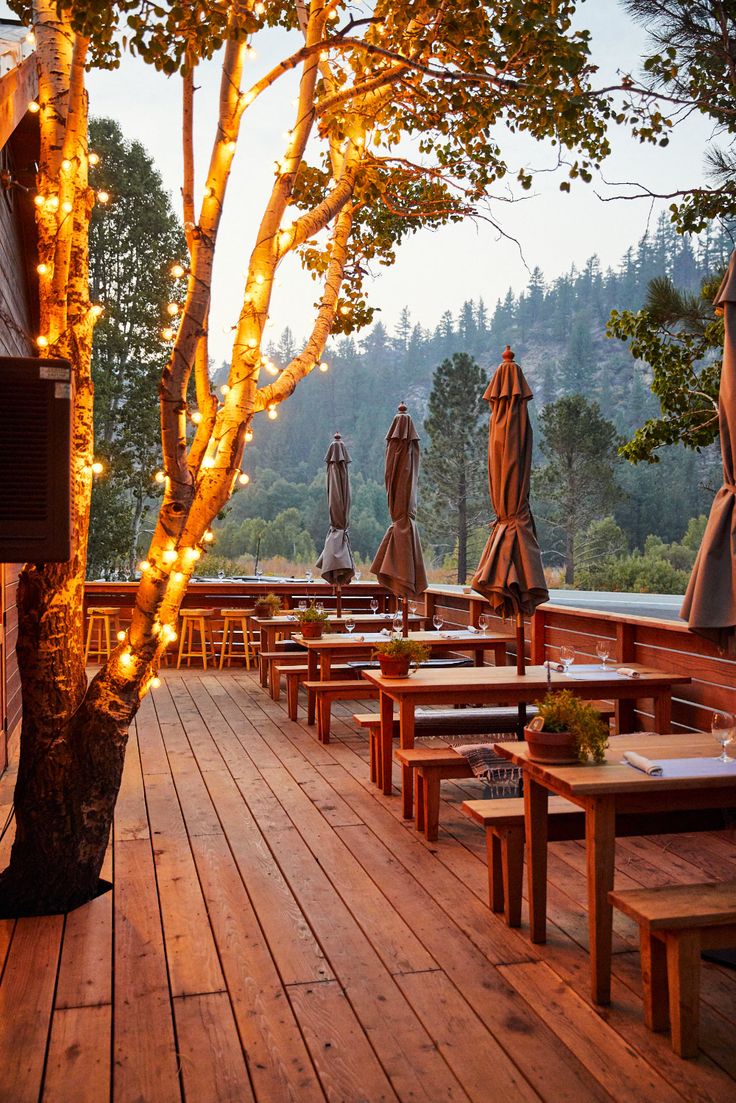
[
  {"x": 172, "y": 309},
  {"x": 243, "y": 478},
  {"x": 248, "y": 98},
  {"x": 250, "y": 52},
  {"x": 272, "y": 413},
  {"x": 155, "y": 682},
  {"x": 323, "y": 367},
  {"x": 224, "y": 389},
  {"x": 42, "y": 342},
  {"x": 97, "y": 468},
  {"x": 208, "y": 461},
  {"x": 121, "y": 635},
  {"x": 67, "y": 206},
  {"x": 39, "y": 200},
  {"x": 177, "y": 271},
  {"x": 284, "y": 238},
  {"x": 103, "y": 197},
  {"x": 192, "y": 554},
  {"x": 144, "y": 566},
  {"x": 170, "y": 555},
  {"x": 260, "y": 278},
  {"x": 208, "y": 536},
  {"x": 42, "y": 269},
  {"x": 126, "y": 658},
  {"x": 344, "y": 310},
  {"x": 259, "y": 8},
  {"x": 34, "y": 107},
  {"x": 167, "y": 333},
  {"x": 178, "y": 576},
  {"x": 249, "y": 435},
  {"x": 160, "y": 476},
  {"x": 66, "y": 164},
  {"x": 271, "y": 368},
  {"x": 30, "y": 37},
  {"x": 52, "y": 203},
  {"x": 93, "y": 158},
  {"x": 231, "y": 147},
  {"x": 252, "y": 343},
  {"x": 96, "y": 310},
  {"x": 196, "y": 416}
]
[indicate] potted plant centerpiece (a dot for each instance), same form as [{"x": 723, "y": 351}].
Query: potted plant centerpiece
[
  {"x": 267, "y": 606},
  {"x": 396, "y": 655},
  {"x": 566, "y": 729},
  {"x": 312, "y": 621}
]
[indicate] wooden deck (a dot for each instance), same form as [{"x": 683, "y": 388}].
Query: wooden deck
[{"x": 277, "y": 933}]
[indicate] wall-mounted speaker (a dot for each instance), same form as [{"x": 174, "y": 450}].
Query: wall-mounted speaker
[{"x": 36, "y": 401}]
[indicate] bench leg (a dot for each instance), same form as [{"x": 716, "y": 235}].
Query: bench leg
[
  {"x": 512, "y": 867},
  {"x": 373, "y": 751},
  {"x": 275, "y": 681},
  {"x": 420, "y": 793},
  {"x": 292, "y": 697},
  {"x": 683, "y": 973},
  {"x": 407, "y": 792},
  {"x": 263, "y": 670},
  {"x": 311, "y": 706},
  {"x": 653, "y": 955},
  {"x": 495, "y": 873},
  {"x": 431, "y": 786},
  {"x": 324, "y": 716}
]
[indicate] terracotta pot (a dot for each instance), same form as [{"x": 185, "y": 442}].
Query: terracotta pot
[
  {"x": 265, "y": 610},
  {"x": 394, "y": 666},
  {"x": 312, "y": 629},
  {"x": 554, "y": 748}
]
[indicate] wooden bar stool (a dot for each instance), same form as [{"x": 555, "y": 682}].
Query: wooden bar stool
[
  {"x": 232, "y": 620},
  {"x": 102, "y": 624},
  {"x": 196, "y": 640}
]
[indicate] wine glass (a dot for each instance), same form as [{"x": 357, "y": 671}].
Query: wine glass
[
  {"x": 374, "y": 605},
  {"x": 302, "y": 606},
  {"x": 567, "y": 657},
  {"x": 320, "y": 606},
  {"x": 357, "y": 576},
  {"x": 220, "y": 575},
  {"x": 484, "y": 623},
  {"x": 438, "y": 620},
  {"x": 308, "y": 575},
  {"x": 722, "y": 726},
  {"x": 413, "y": 608},
  {"x": 349, "y": 623},
  {"x": 603, "y": 651}
]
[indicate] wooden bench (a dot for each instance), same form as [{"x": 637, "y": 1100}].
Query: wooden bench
[
  {"x": 283, "y": 647},
  {"x": 503, "y": 821},
  {"x": 320, "y": 696},
  {"x": 297, "y": 675},
  {"x": 283, "y": 658},
  {"x": 675, "y": 923}
]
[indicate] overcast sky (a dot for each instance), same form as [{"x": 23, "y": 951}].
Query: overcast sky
[{"x": 435, "y": 271}]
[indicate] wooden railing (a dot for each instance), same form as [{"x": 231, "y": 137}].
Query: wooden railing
[{"x": 667, "y": 645}]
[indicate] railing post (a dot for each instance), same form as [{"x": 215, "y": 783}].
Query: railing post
[
  {"x": 536, "y": 643},
  {"x": 429, "y": 604},
  {"x": 625, "y": 651}
]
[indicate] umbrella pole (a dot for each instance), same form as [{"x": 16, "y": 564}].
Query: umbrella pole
[
  {"x": 338, "y": 601},
  {"x": 405, "y": 622},
  {"x": 521, "y": 670}
]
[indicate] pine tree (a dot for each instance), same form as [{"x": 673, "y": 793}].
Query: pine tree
[{"x": 453, "y": 488}]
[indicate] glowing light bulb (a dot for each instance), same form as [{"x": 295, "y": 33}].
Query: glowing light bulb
[
  {"x": 344, "y": 310},
  {"x": 42, "y": 342},
  {"x": 284, "y": 238},
  {"x": 39, "y": 200},
  {"x": 178, "y": 576},
  {"x": 272, "y": 368},
  {"x": 52, "y": 203},
  {"x": 196, "y": 416},
  {"x": 103, "y": 197},
  {"x": 167, "y": 333},
  {"x": 224, "y": 389},
  {"x": 231, "y": 147},
  {"x": 208, "y": 536},
  {"x": 121, "y": 635},
  {"x": 192, "y": 554},
  {"x": 334, "y": 15},
  {"x": 249, "y": 435},
  {"x": 96, "y": 310},
  {"x": 93, "y": 158},
  {"x": 67, "y": 206},
  {"x": 207, "y": 192},
  {"x": 155, "y": 682},
  {"x": 42, "y": 269},
  {"x": 172, "y": 309},
  {"x": 126, "y": 658},
  {"x": 272, "y": 413},
  {"x": 177, "y": 271},
  {"x": 323, "y": 367},
  {"x": 208, "y": 461},
  {"x": 66, "y": 164},
  {"x": 30, "y": 38},
  {"x": 243, "y": 478},
  {"x": 144, "y": 566},
  {"x": 34, "y": 107},
  {"x": 97, "y": 468},
  {"x": 160, "y": 476},
  {"x": 259, "y": 278},
  {"x": 259, "y": 8},
  {"x": 170, "y": 555},
  {"x": 252, "y": 343},
  {"x": 248, "y": 98}
]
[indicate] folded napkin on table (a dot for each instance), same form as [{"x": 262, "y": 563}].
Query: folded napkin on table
[
  {"x": 472, "y": 628},
  {"x": 628, "y": 672},
  {"x": 385, "y": 632},
  {"x": 552, "y": 665},
  {"x": 639, "y": 762}
]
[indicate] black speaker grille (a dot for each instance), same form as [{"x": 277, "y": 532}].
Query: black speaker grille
[{"x": 24, "y": 452}]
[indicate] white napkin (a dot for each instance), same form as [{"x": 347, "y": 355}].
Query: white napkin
[
  {"x": 552, "y": 665},
  {"x": 472, "y": 628},
  {"x": 628, "y": 672},
  {"x": 385, "y": 632},
  {"x": 639, "y": 762},
  {"x": 353, "y": 637}
]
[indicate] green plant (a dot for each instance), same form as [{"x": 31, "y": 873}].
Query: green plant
[
  {"x": 399, "y": 648},
  {"x": 563, "y": 711},
  {"x": 311, "y": 615}
]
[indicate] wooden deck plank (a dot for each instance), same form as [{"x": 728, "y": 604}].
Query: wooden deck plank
[
  {"x": 78, "y": 1065},
  {"x": 347, "y": 1066},
  {"x": 212, "y": 1062},
  {"x": 145, "y": 1063},
  {"x": 85, "y": 972},
  {"x": 131, "y": 817},
  {"x": 26, "y": 999}
]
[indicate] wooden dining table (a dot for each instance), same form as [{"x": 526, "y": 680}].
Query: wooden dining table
[
  {"x": 343, "y": 645},
  {"x": 493, "y": 685},
  {"x": 603, "y": 791}
]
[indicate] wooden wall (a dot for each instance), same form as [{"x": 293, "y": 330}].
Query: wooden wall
[{"x": 664, "y": 644}]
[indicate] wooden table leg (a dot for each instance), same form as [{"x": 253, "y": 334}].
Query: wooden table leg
[
  {"x": 535, "y": 819},
  {"x": 386, "y": 743},
  {"x": 600, "y": 840},
  {"x": 663, "y": 712},
  {"x": 406, "y": 740},
  {"x": 325, "y": 667},
  {"x": 499, "y": 654},
  {"x": 312, "y": 665}
]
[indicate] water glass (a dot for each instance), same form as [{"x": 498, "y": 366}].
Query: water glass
[
  {"x": 302, "y": 606},
  {"x": 374, "y": 605},
  {"x": 357, "y": 576},
  {"x": 603, "y": 651},
  {"x": 349, "y": 624},
  {"x": 398, "y": 623},
  {"x": 308, "y": 575},
  {"x": 722, "y": 726},
  {"x": 438, "y": 620},
  {"x": 484, "y": 623},
  {"x": 567, "y": 657}
]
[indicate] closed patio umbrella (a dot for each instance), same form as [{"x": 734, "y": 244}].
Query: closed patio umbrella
[
  {"x": 510, "y": 573},
  {"x": 710, "y": 601},
  {"x": 336, "y": 563},
  {"x": 399, "y": 563}
]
